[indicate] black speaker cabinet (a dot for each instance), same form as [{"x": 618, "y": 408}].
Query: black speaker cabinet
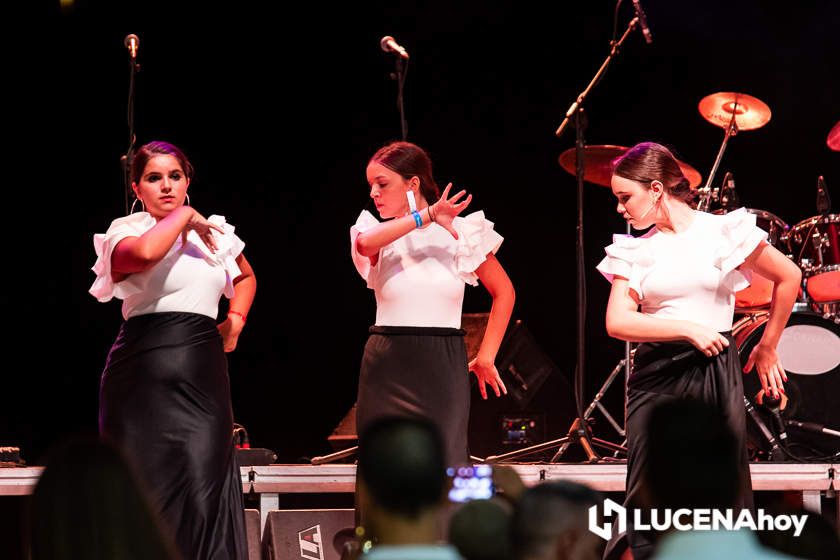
[
  {"x": 307, "y": 534},
  {"x": 252, "y": 531},
  {"x": 539, "y": 405}
]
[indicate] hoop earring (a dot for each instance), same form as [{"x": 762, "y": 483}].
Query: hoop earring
[
  {"x": 187, "y": 202},
  {"x": 133, "y": 204}
]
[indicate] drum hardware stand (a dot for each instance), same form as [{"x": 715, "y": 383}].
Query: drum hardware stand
[
  {"x": 577, "y": 433},
  {"x": 624, "y": 364},
  {"x": 823, "y": 200},
  {"x": 829, "y": 311},
  {"x": 727, "y": 196}
]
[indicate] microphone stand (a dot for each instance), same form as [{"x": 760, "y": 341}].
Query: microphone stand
[
  {"x": 576, "y": 111},
  {"x": 125, "y": 160},
  {"x": 579, "y": 430},
  {"x": 573, "y": 108},
  {"x": 399, "y": 76}
]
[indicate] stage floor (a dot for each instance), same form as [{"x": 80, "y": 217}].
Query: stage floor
[
  {"x": 606, "y": 477},
  {"x": 810, "y": 479}
]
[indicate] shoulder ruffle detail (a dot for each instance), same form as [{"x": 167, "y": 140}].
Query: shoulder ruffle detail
[
  {"x": 476, "y": 240},
  {"x": 628, "y": 257},
  {"x": 133, "y": 225},
  {"x": 364, "y": 222},
  {"x": 228, "y": 247},
  {"x": 740, "y": 238}
]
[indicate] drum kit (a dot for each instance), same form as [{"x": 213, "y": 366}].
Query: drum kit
[{"x": 809, "y": 348}]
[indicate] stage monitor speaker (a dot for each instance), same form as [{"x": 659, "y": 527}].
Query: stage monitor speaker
[
  {"x": 252, "y": 531},
  {"x": 307, "y": 534},
  {"x": 526, "y": 364},
  {"x": 539, "y": 404}
]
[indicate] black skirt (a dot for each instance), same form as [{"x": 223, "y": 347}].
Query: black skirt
[
  {"x": 418, "y": 372},
  {"x": 676, "y": 370},
  {"x": 165, "y": 401}
]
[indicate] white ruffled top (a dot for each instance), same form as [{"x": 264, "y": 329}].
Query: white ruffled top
[
  {"x": 419, "y": 279},
  {"x": 190, "y": 278},
  {"x": 691, "y": 275}
]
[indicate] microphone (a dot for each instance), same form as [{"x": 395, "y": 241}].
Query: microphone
[
  {"x": 823, "y": 200},
  {"x": 640, "y": 13},
  {"x": 728, "y": 197},
  {"x": 132, "y": 42},
  {"x": 646, "y": 212},
  {"x": 813, "y": 427},
  {"x": 775, "y": 450},
  {"x": 388, "y": 44},
  {"x": 774, "y": 406}
]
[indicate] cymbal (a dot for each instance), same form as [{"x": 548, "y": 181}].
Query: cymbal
[
  {"x": 598, "y": 164},
  {"x": 833, "y": 139},
  {"x": 750, "y": 112}
]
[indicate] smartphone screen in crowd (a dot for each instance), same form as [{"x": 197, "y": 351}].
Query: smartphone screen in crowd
[{"x": 471, "y": 483}]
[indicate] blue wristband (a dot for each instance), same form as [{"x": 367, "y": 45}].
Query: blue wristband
[{"x": 417, "y": 219}]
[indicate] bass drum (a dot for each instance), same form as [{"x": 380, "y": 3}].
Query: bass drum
[{"x": 809, "y": 350}]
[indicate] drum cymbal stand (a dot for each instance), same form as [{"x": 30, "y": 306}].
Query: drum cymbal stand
[
  {"x": 707, "y": 194},
  {"x": 625, "y": 364},
  {"x": 578, "y": 433}
]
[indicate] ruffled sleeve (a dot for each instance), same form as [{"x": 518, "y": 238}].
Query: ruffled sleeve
[
  {"x": 133, "y": 225},
  {"x": 476, "y": 240},
  {"x": 740, "y": 237},
  {"x": 228, "y": 247},
  {"x": 364, "y": 222},
  {"x": 627, "y": 257}
]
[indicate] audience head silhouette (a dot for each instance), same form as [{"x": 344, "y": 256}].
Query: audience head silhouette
[
  {"x": 550, "y": 522},
  {"x": 689, "y": 440},
  {"x": 401, "y": 465},
  {"x": 480, "y": 530},
  {"x": 88, "y": 505}
]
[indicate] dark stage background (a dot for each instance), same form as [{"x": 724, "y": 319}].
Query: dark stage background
[{"x": 280, "y": 106}]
